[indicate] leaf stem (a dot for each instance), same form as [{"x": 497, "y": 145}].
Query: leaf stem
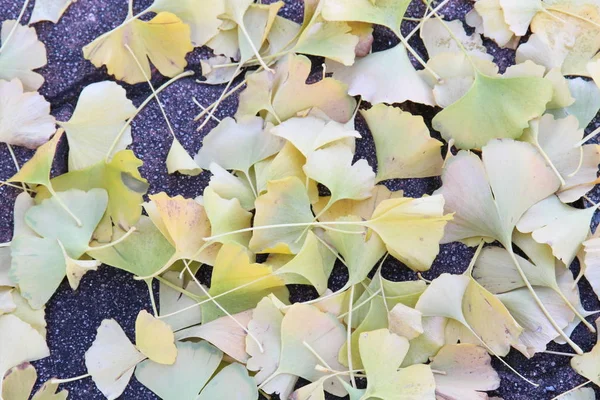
[
  {"x": 220, "y": 99},
  {"x": 151, "y": 294},
  {"x": 15, "y": 26},
  {"x": 140, "y": 108},
  {"x": 68, "y": 380},
  {"x": 541, "y": 305},
  {"x": 226, "y": 95},
  {"x": 116, "y": 242},
  {"x": 16, "y": 162},
  {"x": 349, "y": 337},
  {"x": 559, "y": 353},
  {"x": 254, "y": 50},
  {"x": 587, "y": 137},
  {"x": 63, "y": 205}
]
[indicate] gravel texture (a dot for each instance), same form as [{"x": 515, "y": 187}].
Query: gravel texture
[{"x": 73, "y": 317}]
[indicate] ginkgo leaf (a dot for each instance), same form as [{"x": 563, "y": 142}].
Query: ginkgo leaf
[
  {"x": 19, "y": 342},
  {"x": 312, "y": 265},
  {"x": 585, "y": 393},
  {"x": 457, "y": 72},
  {"x": 155, "y": 339},
  {"x": 226, "y": 333},
  {"x": 376, "y": 318},
  {"x": 231, "y": 382},
  {"x": 332, "y": 40},
  {"x": 51, "y": 221},
  {"x": 560, "y": 226},
  {"x": 537, "y": 330},
  {"x": 185, "y": 225},
  {"x": 22, "y": 55},
  {"x": 388, "y": 13},
  {"x": 101, "y": 112},
  {"x": 405, "y": 321},
  {"x": 226, "y": 215},
  {"x": 164, "y": 40},
  {"x": 540, "y": 52},
  {"x": 179, "y": 160},
  {"x": 558, "y": 140},
  {"x": 360, "y": 208},
  {"x": 411, "y": 228},
  {"x": 173, "y": 302},
  {"x": 233, "y": 269},
  {"x": 25, "y": 118},
  {"x": 333, "y": 168},
  {"x": 19, "y": 381},
  {"x": 49, "y": 10},
  {"x": 460, "y": 298},
  {"x": 279, "y": 96},
  {"x": 360, "y": 252},
  {"x": 38, "y": 267},
  {"x": 201, "y": 16},
  {"x": 143, "y": 252},
  {"x": 426, "y": 345},
  {"x": 495, "y": 270},
  {"x": 111, "y": 359},
  {"x": 514, "y": 101},
  {"x": 587, "y": 101},
  {"x": 323, "y": 333},
  {"x": 587, "y": 364},
  {"x": 286, "y": 202},
  {"x": 382, "y": 353},
  {"x": 493, "y": 24},
  {"x": 287, "y": 163},
  {"x": 195, "y": 364},
  {"x": 384, "y": 77},
  {"x": 230, "y": 186},
  {"x": 37, "y": 170},
  {"x": 403, "y": 145},
  {"x": 508, "y": 167},
  {"x": 238, "y": 145},
  {"x": 35, "y": 318},
  {"x": 467, "y": 372},
  {"x": 437, "y": 39},
  {"x": 311, "y": 133},
  {"x": 569, "y": 38},
  {"x": 254, "y": 21},
  {"x": 518, "y": 14},
  {"x": 119, "y": 177},
  {"x": 265, "y": 325}
]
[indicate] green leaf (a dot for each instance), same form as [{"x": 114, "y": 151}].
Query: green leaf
[
  {"x": 195, "y": 364},
  {"x": 494, "y": 107}
]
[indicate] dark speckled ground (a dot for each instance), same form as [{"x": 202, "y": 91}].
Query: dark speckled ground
[{"x": 74, "y": 316}]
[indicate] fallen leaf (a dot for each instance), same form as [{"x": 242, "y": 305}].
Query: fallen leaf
[
  {"x": 195, "y": 364},
  {"x": 278, "y": 97},
  {"x": 111, "y": 359},
  {"x": 49, "y": 10},
  {"x": 25, "y": 118},
  {"x": 22, "y": 55},
  {"x": 155, "y": 339},
  {"x": 468, "y": 372},
  {"x": 384, "y": 77},
  {"x": 392, "y": 129},
  {"x": 164, "y": 40},
  {"x": 100, "y": 114},
  {"x": 382, "y": 353}
]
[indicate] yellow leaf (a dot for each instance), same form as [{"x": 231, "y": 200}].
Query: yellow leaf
[
  {"x": 165, "y": 40},
  {"x": 155, "y": 339},
  {"x": 403, "y": 145},
  {"x": 185, "y": 224}
]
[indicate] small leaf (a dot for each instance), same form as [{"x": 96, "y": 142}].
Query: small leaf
[
  {"x": 510, "y": 103},
  {"x": 25, "y": 119},
  {"x": 165, "y": 40},
  {"x": 21, "y": 55},
  {"x": 111, "y": 359},
  {"x": 178, "y": 160},
  {"x": 195, "y": 364},
  {"x": 101, "y": 112},
  {"x": 49, "y": 10},
  {"x": 155, "y": 339},
  {"x": 403, "y": 146}
]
